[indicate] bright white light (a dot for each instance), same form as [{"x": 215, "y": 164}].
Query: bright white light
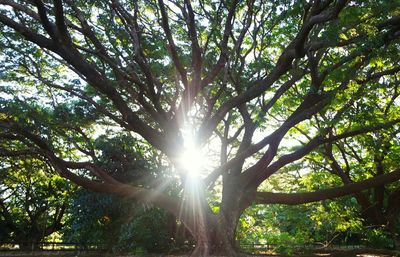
[{"x": 192, "y": 159}]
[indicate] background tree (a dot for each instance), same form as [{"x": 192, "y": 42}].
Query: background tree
[
  {"x": 122, "y": 225},
  {"x": 367, "y": 156},
  {"x": 299, "y": 228},
  {"x": 242, "y": 75},
  {"x": 33, "y": 201}
]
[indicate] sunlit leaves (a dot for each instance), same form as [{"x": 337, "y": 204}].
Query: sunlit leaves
[{"x": 32, "y": 196}]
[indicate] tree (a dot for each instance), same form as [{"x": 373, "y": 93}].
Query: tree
[
  {"x": 367, "y": 156},
  {"x": 122, "y": 225},
  {"x": 298, "y": 227},
  {"x": 33, "y": 201},
  {"x": 240, "y": 77},
  {"x": 119, "y": 225}
]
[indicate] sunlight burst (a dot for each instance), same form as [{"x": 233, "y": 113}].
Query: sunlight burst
[{"x": 192, "y": 159}]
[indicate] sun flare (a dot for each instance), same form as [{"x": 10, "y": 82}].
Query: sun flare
[{"x": 192, "y": 159}]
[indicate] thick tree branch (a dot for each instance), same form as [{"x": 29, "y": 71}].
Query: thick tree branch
[
  {"x": 38, "y": 39},
  {"x": 171, "y": 44},
  {"x": 196, "y": 51},
  {"x": 60, "y": 20},
  {"x": 320, "y": 140},
  {"x": 323, "y": 194},
  {"x": 110, "y": 185},
  {"x": 47, "y": 25}
]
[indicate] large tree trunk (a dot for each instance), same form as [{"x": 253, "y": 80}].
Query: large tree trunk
[
  {"x": 215, "y": 237},
  {"x": 214, "y": 232}
]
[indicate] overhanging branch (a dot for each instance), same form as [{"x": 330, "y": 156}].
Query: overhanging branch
[{"x": 323, "y": 194}]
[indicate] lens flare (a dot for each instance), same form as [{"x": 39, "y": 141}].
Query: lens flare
[{"x": 192, "y": 159}]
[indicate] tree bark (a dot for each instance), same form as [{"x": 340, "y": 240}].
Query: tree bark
[
  {"x": 323, "y": 194},
  {"x": 215, "y": 232},
  {"x": 216, "y": 237}
]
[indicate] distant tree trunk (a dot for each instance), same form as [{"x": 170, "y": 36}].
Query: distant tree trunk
[
  {"x": 29, "y": 243},
  {"x": 392, "y": 212},
  {"x": 392, "y": 229}
]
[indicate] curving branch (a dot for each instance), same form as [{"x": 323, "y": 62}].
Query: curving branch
[
  {"x": 324, "y": 194},
  {"x": 108, "y": 184}
]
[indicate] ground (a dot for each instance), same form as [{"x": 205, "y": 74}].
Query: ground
[{"x": 358, "y": 253}]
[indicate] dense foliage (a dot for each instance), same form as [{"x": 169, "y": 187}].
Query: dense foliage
[
  {"x": 120, "y": 225},
  {"x": 33, "y": 201}
]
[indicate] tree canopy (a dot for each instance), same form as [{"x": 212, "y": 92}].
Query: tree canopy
[
  {"x": 33, "y": 201},
  {"x": 249, "y": 88}
]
